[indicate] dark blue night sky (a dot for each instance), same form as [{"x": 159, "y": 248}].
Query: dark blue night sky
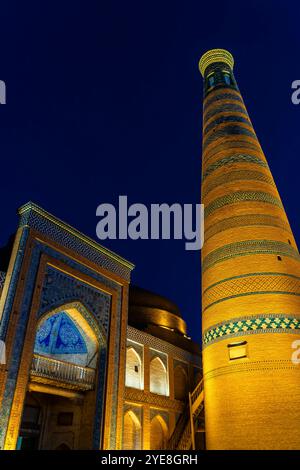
[{"x": 105, "y": 98}]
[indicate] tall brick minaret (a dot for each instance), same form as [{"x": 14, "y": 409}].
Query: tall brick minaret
[{"x": 251, "y": 280}]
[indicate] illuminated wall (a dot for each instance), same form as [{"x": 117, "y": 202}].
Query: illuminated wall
[
  {"x": 132, "y": 432},
  {"x": 158, "y": 376},
  {"x": 159, "y": 433},
  {"x": 134, "y": 368},
  {"x": 250, "y": 278},
  {"x": 181, "y": 386},
  {"x": 56, "y": 271},
  {"x": 154, "y": 409}
]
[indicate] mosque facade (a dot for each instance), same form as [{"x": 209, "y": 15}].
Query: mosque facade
[{"x": 93, "y": 362}]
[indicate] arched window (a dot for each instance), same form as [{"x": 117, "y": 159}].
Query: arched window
[
  {"x": 180, "y": 383},
  {"x": 131, "y": 432},
  {"x": 134, "y": 373},
  {"x": 158, "y": 377},
  {"x": 158, "y": 433},
  {"x": 211, "y": 80},
  {"x": 227, "y": 78}
]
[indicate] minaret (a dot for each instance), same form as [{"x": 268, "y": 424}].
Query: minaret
[{"x": 250, "y": 280}]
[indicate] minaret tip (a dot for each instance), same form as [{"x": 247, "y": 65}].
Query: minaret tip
[{"x": 215, "y": 55}]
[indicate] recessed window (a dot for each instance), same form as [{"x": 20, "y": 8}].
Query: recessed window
[
  {"x": 227, "y": 78},
  {"x": 211, "y": 81},
  {"x": 134, "y": 369},
  {"x": 279, "y": 258},
  {"x": 237, "y": 350},
  {"x": 289, "y": 241},
  {"x": 158, "y": 377}
]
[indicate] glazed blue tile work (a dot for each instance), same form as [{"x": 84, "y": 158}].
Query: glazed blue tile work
[
  {"x": 13, "y": 284},
  {"x": 59, "y": 335},
  {"x": 58, "y": 289},
  {"x": 100, "y": 401},
  {"x": 17, "y": 347},
  {"x": 67, "y": 236},
  {"x": 2, "y": 279},
  {"x": 113, "y": 429},
  {"x": 219, "y": 76}
]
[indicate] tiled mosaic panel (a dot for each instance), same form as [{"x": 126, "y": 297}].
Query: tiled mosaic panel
[
  {"x": 60, "y": 289},
  {"x": 258, "y": 324},
  {"x": 59, "y": 335}
]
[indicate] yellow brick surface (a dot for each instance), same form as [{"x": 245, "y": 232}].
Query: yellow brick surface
[{"x": 252, "y": 402}]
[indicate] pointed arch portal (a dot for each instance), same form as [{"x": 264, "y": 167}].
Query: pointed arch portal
[{"x": 56, "y": 271}]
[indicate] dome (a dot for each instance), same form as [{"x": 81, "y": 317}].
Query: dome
[{"x": 147, "y": 308}]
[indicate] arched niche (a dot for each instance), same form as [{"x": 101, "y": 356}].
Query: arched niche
[
  {"x": 131, "y": 431},
  {"x": 180, "y": 383},
  {"x": 158, "y": 377},
  {"x": 134, "y": 369},
  {"x": 158, "y": 433}
]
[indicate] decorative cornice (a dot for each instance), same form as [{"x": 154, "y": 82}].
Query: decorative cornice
[
  {"x": 215, "y": 55},
  {"x": 33, "y": 216},
  {"x": 141, "y": 396},
  {"x": 141, "y": 337}
]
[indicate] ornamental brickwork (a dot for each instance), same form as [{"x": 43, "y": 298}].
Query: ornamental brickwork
[{"x": 250, "y": 280}]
